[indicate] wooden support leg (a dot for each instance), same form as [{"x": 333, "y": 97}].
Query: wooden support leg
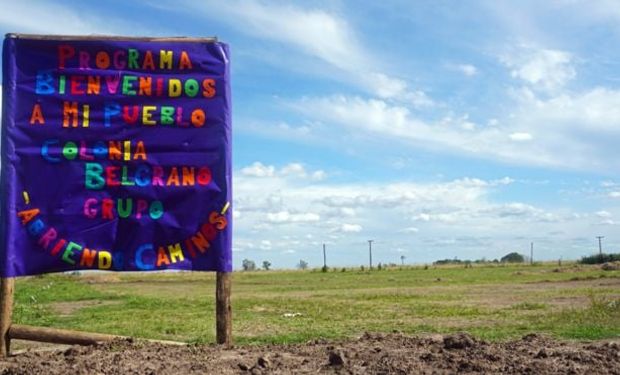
[
  {"x": 223, "y": 310},
  {"x": 6, "y": 311}
]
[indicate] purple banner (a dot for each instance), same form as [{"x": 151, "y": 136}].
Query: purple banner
[{"x": 116, "y": 155}]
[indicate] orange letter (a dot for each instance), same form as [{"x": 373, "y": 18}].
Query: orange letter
[
  {"x": 162, "y": 257},
  {"x": 88, "y": 257},
  {"x": 70, "y": 109},
  {"x": 208, "y": 86},
  {"x": 185, "y": 62},
  {"x": 37, "y": 115},
  {"x": 27, "y": 215}
]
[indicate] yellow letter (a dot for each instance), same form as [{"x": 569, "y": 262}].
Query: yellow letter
[
  {"x": 105, "y": 260},
  {"x": 146, "y": 115},
  {"x": 176, "y": 254}
]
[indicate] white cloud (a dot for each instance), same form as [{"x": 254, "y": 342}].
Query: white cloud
[
  {"x": 546, "y": 69},
  {"x": 379, "y": 118},
  {"x": 293, "y": 168},
  {"x": 614, "y": 194},
  {"x": 521, "y": 137},
  {"x": 422, "y": 217},
  {"x": 258, "y": 169},
  {"x": 26, "y": 16},
  {"x": 351, "y": 228},
  {"x": 572, "y": 131},
  {"x": 467, "y": 69},
  {"x": 503, "y": 181},
  {"x": 283, "y": 217},
  {"x": 297, "y": 170},
  {"x": 318, "y": 175},
  {"x": 415, "y": 215},
  {"x": 318, "y": 33},
  {"x": 606, "y": 217},
  {"x": 603, "y": 214},
  {"x": 314, "y": 31},
  {"x": 386, "y": 87},
  {"x": 265, "y": 245},
  {"x": 493, "y": 122}
]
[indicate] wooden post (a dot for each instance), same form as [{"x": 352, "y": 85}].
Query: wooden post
[
  {"x": 223, "y": 310},
  {"x": 6, "y": 311},
  {"x": 57, "y": 336}
]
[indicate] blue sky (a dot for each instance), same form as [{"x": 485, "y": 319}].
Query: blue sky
[{"x": 438, "y": 129}]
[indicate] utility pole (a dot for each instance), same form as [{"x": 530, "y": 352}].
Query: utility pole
[
  {"x": 600, "y": 247},
  {"x": 324, "y": 257},
  {"x": 370, "y": 252},
  {"x": 532, "y": 253}
]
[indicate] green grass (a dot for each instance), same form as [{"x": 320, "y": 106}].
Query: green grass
[{"x": 492, "y": 302}]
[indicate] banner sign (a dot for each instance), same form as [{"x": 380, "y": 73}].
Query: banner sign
[{"x": 116, "y": 154}]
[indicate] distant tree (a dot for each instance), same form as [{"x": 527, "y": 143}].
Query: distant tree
[
  {"x": 448, "y": 261},
  {"x": 402, "y": 260},
  {"x": 513, "y": 258},
  {"x": 266, "y": 265},
  {"x": 324, "y": 269},
  {"x": 302, "y": 265},
  {"x": 600, "y": 258},
  {"x": 248, "y": 265}
]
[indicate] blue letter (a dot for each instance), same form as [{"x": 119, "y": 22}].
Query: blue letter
[
  {"x": 139, "y": 262},
  {"x": 45, "y": 151},
  {"x": 109, "y": 110},
  {"x": 44, "y": 83}
]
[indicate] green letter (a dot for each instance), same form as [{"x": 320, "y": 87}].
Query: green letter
[
  {"x": 93, "y": 178},
  {"x": 132, "y": 58}
]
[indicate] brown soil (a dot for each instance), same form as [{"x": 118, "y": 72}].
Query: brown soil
[
  {"x": 71, "y": 307},
  {"x": 370, "y": 354}
]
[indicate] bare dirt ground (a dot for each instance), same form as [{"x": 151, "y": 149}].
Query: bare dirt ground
[{"x": 370, "y": 354}]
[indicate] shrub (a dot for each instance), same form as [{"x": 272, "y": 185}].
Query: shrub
[
  {"x": 600, "y": 258},
  {"x": 513, "y": 258}
]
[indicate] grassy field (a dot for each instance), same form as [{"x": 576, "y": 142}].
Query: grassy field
[{"x": 492, "y": 302}]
